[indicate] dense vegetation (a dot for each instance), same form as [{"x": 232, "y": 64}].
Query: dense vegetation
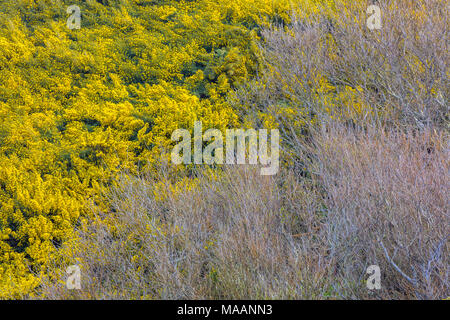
[
  {"x": 86, "y": 115},
  {"x": 77, "y": 106}
]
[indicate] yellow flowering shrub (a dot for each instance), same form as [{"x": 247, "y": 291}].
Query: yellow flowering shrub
[{"x": 78, "y": 106}]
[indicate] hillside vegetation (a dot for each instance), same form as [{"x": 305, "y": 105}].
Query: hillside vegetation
[{"x": 86, "y": 117}]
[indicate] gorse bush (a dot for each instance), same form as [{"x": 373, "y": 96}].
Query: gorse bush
[
  {"x": 87, "y": 117},
  {"x": 78, "y": 106}
]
